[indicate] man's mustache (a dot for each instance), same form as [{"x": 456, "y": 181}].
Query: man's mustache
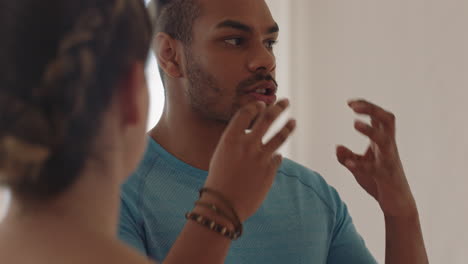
[{"x": 255, "y": 79}]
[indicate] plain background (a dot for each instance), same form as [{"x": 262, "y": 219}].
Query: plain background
[{"x": 409, "y": 56}]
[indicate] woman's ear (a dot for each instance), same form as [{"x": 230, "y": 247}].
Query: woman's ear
[
  {"x": 128, "y": 116},
  {"x": 134, "y": 95},
  {"x": 166, "y": 51}
]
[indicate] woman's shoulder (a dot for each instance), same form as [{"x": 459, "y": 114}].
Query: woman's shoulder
[
  {"x": 119, "y": 253},
  {"x": 106, "y": 250},
  {"x": 71, "y": 250}
]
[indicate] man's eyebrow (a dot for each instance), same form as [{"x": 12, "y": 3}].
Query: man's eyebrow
[
  {"x": 234, "y": 24},
  {"x": 243, "y": 27}
]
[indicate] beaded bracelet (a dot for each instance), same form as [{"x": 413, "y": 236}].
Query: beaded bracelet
[
  {"x": 212, "y": 225},
  {"x": 237, "y": 225},
  {"x": 223, "y": 199}
]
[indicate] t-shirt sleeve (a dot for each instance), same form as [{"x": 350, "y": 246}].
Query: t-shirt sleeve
[
  {"x": 347, "y": 246},
  {"x": 130, "y": 230}
]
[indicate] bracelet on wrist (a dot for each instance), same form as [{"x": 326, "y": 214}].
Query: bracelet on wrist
[
  {"x": 212, "y": 225},
  {"x": 221, "y": 197},
  {"x": 238, "y": 228}
]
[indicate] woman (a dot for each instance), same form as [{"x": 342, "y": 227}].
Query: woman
[{"x": 73, "y": 109}]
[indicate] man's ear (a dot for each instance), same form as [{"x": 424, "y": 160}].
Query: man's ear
[
  {"x": 168, "y": 56},
  {"x": 133, "y": 95}
]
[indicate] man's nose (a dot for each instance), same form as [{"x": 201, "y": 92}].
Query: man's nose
[{"x": 261, "y": 59}]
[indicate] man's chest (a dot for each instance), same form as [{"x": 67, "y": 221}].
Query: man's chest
[{"x": 286, "y": 229}]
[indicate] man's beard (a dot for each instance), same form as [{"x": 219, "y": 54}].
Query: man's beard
[{"x": 205, "y": 93}]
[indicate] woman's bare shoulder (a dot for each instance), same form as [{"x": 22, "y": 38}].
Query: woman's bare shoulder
[
  {"x": 117, "y": 253},
  {"x": 128, "y": 255},
  {"x": 63, "y": 249}
]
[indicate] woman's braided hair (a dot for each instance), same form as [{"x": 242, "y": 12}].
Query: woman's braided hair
[{"x": 59, "y": 64}]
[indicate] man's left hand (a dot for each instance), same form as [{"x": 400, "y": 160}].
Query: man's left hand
[{"x": 379, "y": 171}]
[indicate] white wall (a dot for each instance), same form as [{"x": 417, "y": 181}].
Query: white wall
[
  {"x": 156, "y": 91},
  {"x": 412, "y": 58},
  {"x": 4, "y": 199}
]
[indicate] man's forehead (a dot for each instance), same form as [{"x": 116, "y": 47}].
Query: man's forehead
[
  {"x": 232, "y": 3},
  {"x": 249, "y": 12}
]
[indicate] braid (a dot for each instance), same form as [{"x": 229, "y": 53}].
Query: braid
[
  {"x": 20, "y": 158},
  {"x": 75, "y": 65},
  {"x": 59, "y": 110}
]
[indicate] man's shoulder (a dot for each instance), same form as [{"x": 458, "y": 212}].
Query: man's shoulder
[
  {"x": 136, "y": 179},
  {"x": 309, "y": 180},
  {"x": 135, "y": 182},
  {"x": 302, "y": 174},
  {"x": 144, "y": 169}
]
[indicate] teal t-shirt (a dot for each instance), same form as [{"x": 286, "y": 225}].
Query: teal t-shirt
[{"x": 302, "y": 220}]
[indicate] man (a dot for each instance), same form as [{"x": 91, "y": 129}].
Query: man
[{"x": 215, "y": 56}]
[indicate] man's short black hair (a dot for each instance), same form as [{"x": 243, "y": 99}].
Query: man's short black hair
[{"x": 176, "y": 18}]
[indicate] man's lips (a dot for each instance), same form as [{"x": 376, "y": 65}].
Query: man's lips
[
  {"x": 269, "y": 86},
  {"x": 264, "y": 91}
]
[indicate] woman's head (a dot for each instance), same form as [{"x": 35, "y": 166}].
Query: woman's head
[{"x": 63, "y": 64}]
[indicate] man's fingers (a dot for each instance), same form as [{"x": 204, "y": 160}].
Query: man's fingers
[
  {"x": 243, "y": 119},
  {"x": 280, "y": 137},
  {"x": 376, "y": 123},
  {"x": 355, "y": 163},
  {"x": 375, "y": 112},
  {"x": 369, "y": 155},
  {"x": 343, "y": 154},
  {"x": 375, "y": 134},
  {"x": 276, "y": 161},
  {"x": 267, "y": 118}
]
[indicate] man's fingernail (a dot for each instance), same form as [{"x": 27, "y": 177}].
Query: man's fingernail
[
  {"x": 357, "y": 105},
  {"x": 350, "y": 164},
  {"x": 360, "y": 124}
]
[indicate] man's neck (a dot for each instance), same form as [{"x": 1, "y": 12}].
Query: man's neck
[{"x": 192, "y": 140}]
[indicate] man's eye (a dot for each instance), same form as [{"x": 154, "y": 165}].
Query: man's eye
[
  {"x": 234, "y": 41},
  {"x": 271, "y": 43}
]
